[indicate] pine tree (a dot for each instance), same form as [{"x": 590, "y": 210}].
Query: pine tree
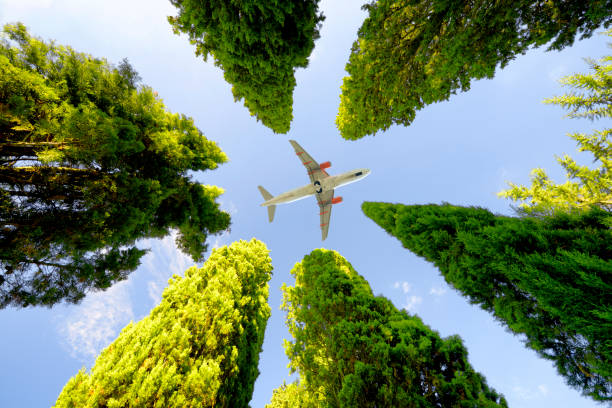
[
  {"x": 90, "y": 162},
  {"x": 548, "y": 278},
  {"x": 412, "y": 53},
  {"x": 585, "y": 186},
  {"x": 258, "y": 44},
  {"x": 198, "y": 348},
  {"x": 354, "y": 349}
]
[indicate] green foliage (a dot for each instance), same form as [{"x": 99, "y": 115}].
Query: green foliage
[
  {"x": 354, "y": 349},
  {"x": 412, "y": 53},
  {"x": 548, "y": 278},
  {"x": 198, "y": 348},
  {"x": 585, "y": 186},
  {"x": 258, "y": 44},
  {"x": 89, "y": 163},
  {"x": 294, "y": 395}
]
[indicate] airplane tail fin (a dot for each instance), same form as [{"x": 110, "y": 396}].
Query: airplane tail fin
[{"x": 267, "y": 196}]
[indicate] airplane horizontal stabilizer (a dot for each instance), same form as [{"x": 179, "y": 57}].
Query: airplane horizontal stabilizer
[
  {"x": 267, "y": 196},
  {"x": 271, "y": 209}
]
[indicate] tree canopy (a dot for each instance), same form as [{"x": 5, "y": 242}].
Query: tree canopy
[
  {"x": 549, "y": 278},
  {"x": 412, "y": 53},
  {"x": 198, "y": 348},
  {"x": 294, "y": 395},
  {"x": 585, "y": 186},
  {"x": 90, "y": 162},
  {"x": 258, "y": 44},
  {"x": 354, "y": 349}
]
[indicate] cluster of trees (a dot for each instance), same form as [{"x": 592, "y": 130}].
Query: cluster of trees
[
  {"x": 546, "y": 274},
  {"x": 546, "y": 278},
  {"x": 354, "y": 349},
  {"x": 90, "y": 162},
  {"x": 408, "y": 54},
  {"x": 200, "y": 347}
]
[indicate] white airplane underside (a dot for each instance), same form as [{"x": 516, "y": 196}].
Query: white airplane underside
[{"x": 321, "y": 185}]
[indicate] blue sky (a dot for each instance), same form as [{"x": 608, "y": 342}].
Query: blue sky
[{"x": 461, "y": 151}]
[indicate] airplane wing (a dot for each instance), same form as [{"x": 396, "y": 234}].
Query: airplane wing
[
  {"x": 325, "y": 207},
  {"x": 314, "y": 171}
]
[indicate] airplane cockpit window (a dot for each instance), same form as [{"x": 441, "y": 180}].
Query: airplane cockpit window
[{"x": 358, "y": 173}]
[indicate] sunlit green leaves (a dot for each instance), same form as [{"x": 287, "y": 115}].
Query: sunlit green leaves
[
  {"x": 410, "y": 54},
  {"x": 354, "y": 349},
  {"x": 585, "y": 186},
  {"x": 258, "y": 44},
  {"x": 198, "y": 348}
]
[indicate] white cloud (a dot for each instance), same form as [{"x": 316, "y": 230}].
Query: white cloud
[
  {"x": 412, "y": 302},
  {"x": 522, "y": 392},
  {"x": 437, "y": 291},
  {"x": 228, "y": 206},
  {"x": 405, "y": 286},
  {"x": 526, "y": 393},
  {"x": 93, "y": 324},
  {"x": 12, "y": 6},
  {"x": 163, "y": 260}
]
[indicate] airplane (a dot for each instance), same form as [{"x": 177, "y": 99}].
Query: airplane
[{"x": 321, "y": 184}]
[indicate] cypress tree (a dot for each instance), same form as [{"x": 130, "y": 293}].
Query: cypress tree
[
  {"x": 354, "y": 349},
  {"x": 258, "y": 44},
  {"x": 198, "y": 348},
  {"x": 413, "y": 53},
  {"x": 549, "y": 277},
  {"x": 90, "y": 162}
]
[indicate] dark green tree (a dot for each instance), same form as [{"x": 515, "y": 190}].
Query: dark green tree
[
  {"x": 198, "y": 348},
  {"x": 412, "y": 53},
  {"x": 549, "y": 278},
  {"x": 258, "y": 44},
  {"x": 90, "y": 162},
  {"x": 354, "y": 349}
]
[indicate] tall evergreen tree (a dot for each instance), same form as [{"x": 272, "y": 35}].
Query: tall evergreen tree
[
  {"x": 549, "y": 278},
  {"x": 198, "y": 348},
  {"x": 412, "y": 53},
  {"x": 90, "y": 162},
  {"x": 258, "y": 44},
  {"x": 584, "y": 186},
  {"x": 354, "y": 349}
]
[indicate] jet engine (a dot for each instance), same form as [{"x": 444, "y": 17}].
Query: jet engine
[
  {"x": 325, "y": 165},
  {"x": 336, "y": 200}
]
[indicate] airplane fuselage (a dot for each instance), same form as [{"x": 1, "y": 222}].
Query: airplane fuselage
[{"x": 318, "y": 187}]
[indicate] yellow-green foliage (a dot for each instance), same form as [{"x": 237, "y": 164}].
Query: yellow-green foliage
[
  {"x": 294, "y": 395},
  {"x": 585, "y": 186},
  {"x": 198, "y": 348}
]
